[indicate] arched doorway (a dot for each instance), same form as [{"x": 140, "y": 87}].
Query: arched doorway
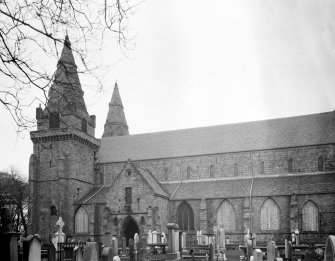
[{"x": 129, "y": 229}]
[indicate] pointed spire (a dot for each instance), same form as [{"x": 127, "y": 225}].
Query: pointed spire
[
  {"x": 116, "y": 124},
  {"x": 65, "y": 94}
]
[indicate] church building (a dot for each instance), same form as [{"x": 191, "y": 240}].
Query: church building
[{"x": 271, "y": 177}]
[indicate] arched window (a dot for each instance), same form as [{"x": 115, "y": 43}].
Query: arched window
[
  {"x": 290, "y": 166},
  {"x": 188, "y": 173},
  {"x": 320, "y": 164},
  {"x": 310, "y": 217},
  {"x": 54, "y": 120},
  {"x": 84, "y": 125},
  {"x": 166, "y": 173},
  {"x": 185, "y": 217},
  {"x": 235, "y": 169},
  {"x": 226, "y": 216},
  {"x": 211, "y": 171},
  {"x": 142, "y": 222},
  {"x": 81, "y": 221},
  {"x": 116, "y": 222},
  {"x": 269, "y": 215},
  {"x": 262, "y": 167}
]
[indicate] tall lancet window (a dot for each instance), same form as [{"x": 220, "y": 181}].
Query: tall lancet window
[
  {"x": 269, "y": 215},
  {"x": 310, "y": 217},
  {"x": 84, "y": 125},
  {"x": 81, "y": 221},
  {"x": 320, "y": 164},
  {"x": 185, "y": 217},
  {"x": 226, "y": 216}
]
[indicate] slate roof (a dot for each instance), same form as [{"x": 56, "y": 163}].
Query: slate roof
[
  {"x": 263, "y": 186},
  {"x": 89, "y": 195},
  {"x": 296, "y": 131},
  {"x": 147, "y": 175}
]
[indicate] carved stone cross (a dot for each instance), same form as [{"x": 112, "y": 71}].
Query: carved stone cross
[{"x": 61, "y": 224}]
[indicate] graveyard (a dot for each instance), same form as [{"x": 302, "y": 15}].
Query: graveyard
[{"x": 158, "y": 247}]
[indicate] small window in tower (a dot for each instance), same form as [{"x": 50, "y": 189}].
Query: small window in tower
[
  {"x": 262, "y": 167},
  {"x": 83, "y": 125},
  {"x": 53, "y": 210},
  {"x": 166, "y": 174},
  {"x": 211, "y": 171},
  {"x": 290, "y": 165},
  {"x": 116, "y": 222},
  {"x": 188, "y": 173},
  {"x": 54, "y": 120},
  {"x": 128, "y": 172},
  {"x": 235, "y": 169},
  {"x": 128, "y": 196},
  {"x": 320, "y": 164}
]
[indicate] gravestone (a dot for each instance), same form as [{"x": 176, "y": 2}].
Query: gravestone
[
  {"x": 258, "y": 255},
  {"x": 131, "y": 250},
  {"x": 272, "y": 250},
  {"x": 149, "y": 237},
  {"x": 330, "y": 248},
  {"x": 78, "y": 253},
  {"x": 124, "y": 246},
  {"x": 163, "y": 238},
  {"x": 136, "y": 239},
  {"x": 59, "y": 235},
  {"x": 33, "y": 244},
  {"x": 115, "y": 246},
  {"x": 107, "y": 254},
  {"x": 154, "y": 237},
  {"x": 183, "y": 240},
  {"x": 222, "y": 238},
  {"x": 91, "y": 252}
]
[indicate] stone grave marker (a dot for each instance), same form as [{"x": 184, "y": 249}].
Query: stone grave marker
[
  {"x": 330, "y": 248},
  {"x": 258, "y": 255},
  {"x": 222, "y": 238},
  {"x": 183, "y": 240},
  {"x": 136, "y": 240},
  {"x": 163, "y": 240},
  {"x": 34, "y": 248},
  {"x": 107, "y": 254},
  {"x": 78, "y": 253},
  {"x": 154, "y": 237},
  {"x": 131, "y": 250},
  {"x": 124, "y": 246},
  {"x": 149, "y": 237},
  {"x": 272, "y": 250},
  {"x": 115, "y": 246},
  {"x": 91, "y": 252}
]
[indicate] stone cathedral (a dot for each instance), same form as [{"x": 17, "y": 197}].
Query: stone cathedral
[{"x": 271, "y": 177}]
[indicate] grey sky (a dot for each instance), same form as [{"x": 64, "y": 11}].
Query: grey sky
[{"x": 199, "y": 63}]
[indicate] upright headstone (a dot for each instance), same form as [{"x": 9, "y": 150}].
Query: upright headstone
[
  {"x": 59, "y": 234},
  {"x": 258, "y": 255},
  {"x": 183, "y": 240},
  {"x": 124, "y": 245},
  {"x": 198, "y": 237},
  {"x": 107, "y": 254},
  {"x": 78, "y": 253},
  {"x": 164, "y": 240},
  {"x": 136, "y": 239},
  {"x": 131, "y": 250},
  {"x": 222, "y": 238},
  {"x": 288, "y": 249},
  {"x": 34, "y": 248},
  {"x": 154, "y": 237},
  {"x": 173, "y": 239},
  {"x": 149, "y": 237},
  {"x": 115, "y": 246},
  {"x": 330, "y": 248},
  {"x": 91, "y": 251},
  {"x": 271, "y": 249}
]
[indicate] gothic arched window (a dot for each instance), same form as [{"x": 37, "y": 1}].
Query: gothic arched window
[
  {"x": 290, "y": 165},
  {"x": 310, "y": 217},
  {"x": 116, "y": 222},
  {"x": 166, "y": 173},
  {"x": 185, "y": 217},
  {"x": 320, "y": 164},
  {"x": 269, "y": 215},
  {"x": 142, "y": 222},
  {"x": 262, "y": 167},
  {"x": 54, "y": 120},
  {"x": 81, "y": 221},
  {"x": 226, "y": 216},
  {"x": 211, "y": 171},
  {"x": 84, "y": 125},
  {"x": 188, "y": 173},
  {"x": 235, "y": 169}
]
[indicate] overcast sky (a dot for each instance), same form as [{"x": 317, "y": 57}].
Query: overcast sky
[{"x": 201, "y": 63}]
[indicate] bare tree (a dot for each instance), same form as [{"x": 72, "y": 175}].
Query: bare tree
[
  {"x": 14, "y": 196},
  {"x": 33, "y": 29}
]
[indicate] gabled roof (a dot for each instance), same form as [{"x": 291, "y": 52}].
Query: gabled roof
[
  {"x": 263, "y": 186},
  {"x": 89, "y": 195},
  {"x": 152, "y": 181},
  {"x": 296, "y": 131}
]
